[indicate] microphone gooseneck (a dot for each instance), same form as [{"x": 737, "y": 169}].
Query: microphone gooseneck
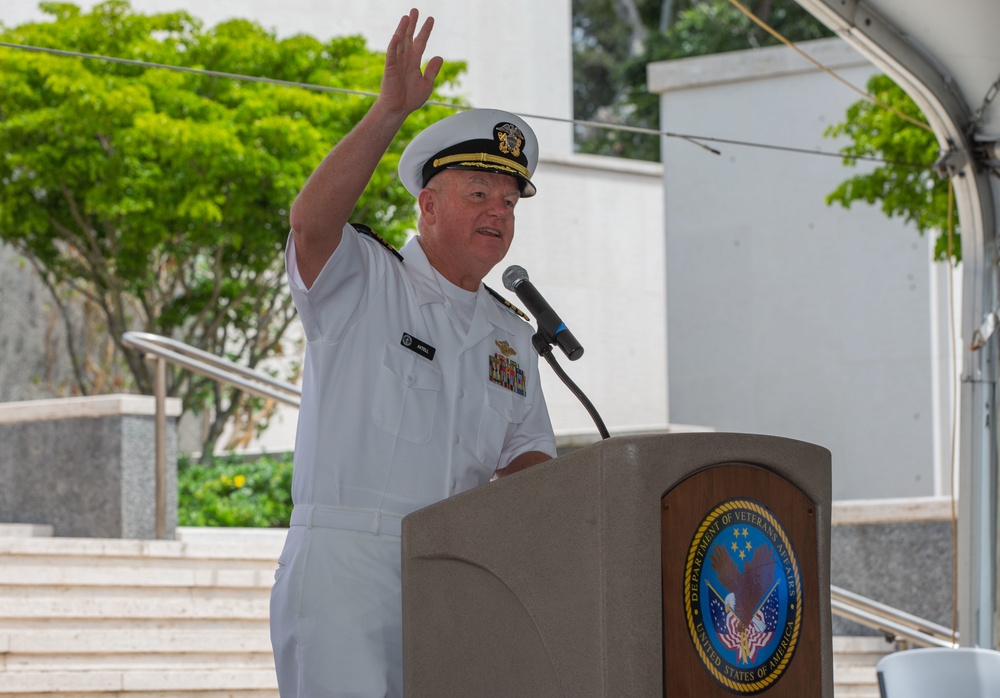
[{"x": 551, "y": 330}]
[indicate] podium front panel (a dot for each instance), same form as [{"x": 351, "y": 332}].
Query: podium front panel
[
  {"x": 740, "y": 575},
  {"x": 550, "y": 582}
]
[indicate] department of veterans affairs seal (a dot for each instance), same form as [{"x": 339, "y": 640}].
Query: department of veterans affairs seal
[{"x": 743, "y": 596}]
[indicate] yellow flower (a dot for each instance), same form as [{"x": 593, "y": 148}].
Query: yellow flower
[{"x": 239, "y": 481}]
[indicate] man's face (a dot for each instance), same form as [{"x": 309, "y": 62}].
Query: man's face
[{"x": 469, "y": 222}]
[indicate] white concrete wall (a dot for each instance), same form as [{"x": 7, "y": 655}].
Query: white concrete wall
[
  {"x": 592, "y": 238},
  {"x": 786, "y": 316}
]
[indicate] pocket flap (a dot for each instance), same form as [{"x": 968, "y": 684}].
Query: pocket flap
[{"x": 412, "y": 370}]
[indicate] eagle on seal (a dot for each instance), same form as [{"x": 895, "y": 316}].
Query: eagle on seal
[{"x": 749, "y": 587}]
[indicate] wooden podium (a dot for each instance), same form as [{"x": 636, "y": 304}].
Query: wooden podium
[{"x": 682, "y": 565}]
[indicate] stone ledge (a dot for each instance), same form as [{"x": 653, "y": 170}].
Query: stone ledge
[
  {"x": 867, "y": 511},
  {"x": 757, "y": 64},
  {"x": 84, "y": 407},
  {"x": 25, "y": 530},
  {"x": 606, "y": 163}
]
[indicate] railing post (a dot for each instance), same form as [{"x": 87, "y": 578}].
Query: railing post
[
  {"x": 164, "y": 349},
  {"x": 160, "y": 393}
]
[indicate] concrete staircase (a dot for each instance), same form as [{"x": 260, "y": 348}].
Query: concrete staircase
[
  {"x": 87, "y": 617},
  {"x": 854, "y": 660},
  {"x": 144, "y": 619}
]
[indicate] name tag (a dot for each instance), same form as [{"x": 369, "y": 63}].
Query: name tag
[{"x": 418, "y": 346}]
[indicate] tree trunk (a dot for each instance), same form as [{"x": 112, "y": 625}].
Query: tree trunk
[
  {"x": 219, "y": 419},
  {"x": 628, "y": 12}
]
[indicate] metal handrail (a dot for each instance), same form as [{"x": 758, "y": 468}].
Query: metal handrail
[
  {"x": 215, "y": 367},
  {"x": 891, "y": 622}
]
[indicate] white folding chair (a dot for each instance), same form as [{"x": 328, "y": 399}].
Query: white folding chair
[{"x": 963, "y": 672}]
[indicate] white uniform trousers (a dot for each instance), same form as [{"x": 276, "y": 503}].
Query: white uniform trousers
[{"x": 336, "y": 615}]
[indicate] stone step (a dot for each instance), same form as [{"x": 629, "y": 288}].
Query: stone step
[
  {"x": 208, "y": 660},
  {"x": 856, "y": 691},
  {"x": 174, "y": 639},
  {"x": 861, "y": 649},
  {"x": 43, "y": 572},
  {"x": 212, "y": 549},
  {"x": 853, "y": 675},
  {"x": 139, "y": 682},
  {"x": 172, "y": 604},
  {"x": 144, "y": 619},
  {"x": 854, "y": 660}
]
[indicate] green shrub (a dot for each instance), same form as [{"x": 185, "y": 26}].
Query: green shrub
[{"x": 235, "y": 491}]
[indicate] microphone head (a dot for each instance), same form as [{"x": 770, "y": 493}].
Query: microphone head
[{"x": 513, "y": 276}]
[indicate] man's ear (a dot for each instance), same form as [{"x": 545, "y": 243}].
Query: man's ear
[{"x": 427, "y": 200}]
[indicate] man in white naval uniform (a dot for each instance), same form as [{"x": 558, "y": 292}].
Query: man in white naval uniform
[{"x": 419, "y": 383}]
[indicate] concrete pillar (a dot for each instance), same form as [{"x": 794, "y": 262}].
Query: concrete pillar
[{"x": 87, "y": 465}]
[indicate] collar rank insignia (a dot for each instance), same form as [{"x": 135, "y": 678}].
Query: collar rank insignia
[
  {"x": 506, "y": 348},
  {"x": 365, "y": 230},
  {"x": 507, "y": 304}
]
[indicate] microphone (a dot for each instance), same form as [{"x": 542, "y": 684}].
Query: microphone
[{"x": 550, "y": 327}]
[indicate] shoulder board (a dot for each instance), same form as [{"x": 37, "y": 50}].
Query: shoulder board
[
  {"x": 365, "y": 230},
  {"x": 507, "y": 304}
]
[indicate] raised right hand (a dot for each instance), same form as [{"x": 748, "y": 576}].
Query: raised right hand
[{"x": 405, "y": 87}]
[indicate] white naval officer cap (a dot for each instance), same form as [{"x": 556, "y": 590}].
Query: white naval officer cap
[{"x": 484, "y": 140}]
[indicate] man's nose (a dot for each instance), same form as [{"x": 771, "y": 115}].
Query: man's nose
[{"x": 498, "y": 207}]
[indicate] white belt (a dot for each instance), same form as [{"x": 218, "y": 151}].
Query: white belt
[{"x": 363, "y": 520}]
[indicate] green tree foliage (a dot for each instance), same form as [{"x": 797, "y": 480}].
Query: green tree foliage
[
  {"x": 161, "y": 197},
  {"x": 906, "y": 185},
  {"x": 610, "y": 55}
]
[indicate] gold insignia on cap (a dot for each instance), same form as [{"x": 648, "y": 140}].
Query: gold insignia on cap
[
  {"x": 505, "y": 347},
  {"x": 511, "y": 139}
]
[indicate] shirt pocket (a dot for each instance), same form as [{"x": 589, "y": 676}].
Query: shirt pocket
[
  {"x": 504, "y": 408},
  {"x": 406, "y": 395}
]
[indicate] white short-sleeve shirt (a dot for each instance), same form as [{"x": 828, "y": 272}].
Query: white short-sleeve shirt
[{"x": 401, "y": 407}]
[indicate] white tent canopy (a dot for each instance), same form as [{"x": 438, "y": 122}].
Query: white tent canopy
[{"x": 946, "y": 58}]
